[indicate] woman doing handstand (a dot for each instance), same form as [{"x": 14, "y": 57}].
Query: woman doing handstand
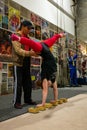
[{"x": 48, "y": 66}]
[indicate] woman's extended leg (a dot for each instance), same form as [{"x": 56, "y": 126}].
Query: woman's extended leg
[
  {"x": 36, "y": 46},
  {"x": 50, "y": 41}
]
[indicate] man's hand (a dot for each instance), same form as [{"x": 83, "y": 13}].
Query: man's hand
[{"x": 33, "y": 53}]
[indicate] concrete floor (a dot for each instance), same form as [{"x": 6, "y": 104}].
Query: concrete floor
[
  {"x": 67, "y": 116},
  {"x": 7, "y": 111}
]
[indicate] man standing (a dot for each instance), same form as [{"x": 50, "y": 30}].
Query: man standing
[
  {"x": 22, "y": 77},
  {"x": 72, "y": 68}
]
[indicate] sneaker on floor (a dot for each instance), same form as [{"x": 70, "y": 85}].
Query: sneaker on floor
[{"x": 17, "y": 106}]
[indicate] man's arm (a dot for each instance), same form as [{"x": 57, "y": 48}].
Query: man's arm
[
  {"x": 22, "y": 52},
  {"x": 19, "y": 50},
  {"x": 75, "y": 56}
]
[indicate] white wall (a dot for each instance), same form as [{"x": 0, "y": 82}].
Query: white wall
[
  {"x": 46, "y": 10},
  {"x": 67, "y": 5}
]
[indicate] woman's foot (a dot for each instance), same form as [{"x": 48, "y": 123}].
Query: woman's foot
[
  {"x": 40, "y": 105},
  {"x": 14, "y": 37},
  {"x": 53, "y": 100}
]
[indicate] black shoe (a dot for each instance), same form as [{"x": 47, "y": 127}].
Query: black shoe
[
  {"x": 17, "y": 106},
  {"x": 31, "y": 102},
  {"x": 71, "y": 86},
  {"x": 76, "y": 85}
]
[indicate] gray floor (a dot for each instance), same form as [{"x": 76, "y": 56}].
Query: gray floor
[{"x": 7, "y": 110}]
